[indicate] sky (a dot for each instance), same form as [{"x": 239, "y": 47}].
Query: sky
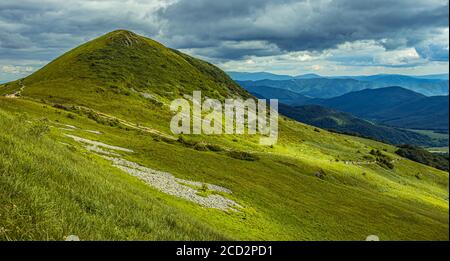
[{"x": 327, "y": 37}]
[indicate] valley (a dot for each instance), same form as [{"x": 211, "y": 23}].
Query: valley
[{"x": 390, "y": 114}]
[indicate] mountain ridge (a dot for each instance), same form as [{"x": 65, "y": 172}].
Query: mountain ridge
[
  {"x": 394, "y": 106},
  {"x": 342, "y": 122},
  {"x": 330, "y": 86}
]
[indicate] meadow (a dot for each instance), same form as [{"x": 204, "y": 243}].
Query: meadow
[{"x": 51, "y": 190}]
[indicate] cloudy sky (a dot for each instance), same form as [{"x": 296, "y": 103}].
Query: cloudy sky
[{"x": 328, "y": 37}]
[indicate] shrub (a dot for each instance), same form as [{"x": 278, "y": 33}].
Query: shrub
[
  {"x": 200, "y": 146},
  {"x": 60, "y": 106},
  {"x": 242, "y": 155},
  {"x": 385, "y": 163},
  {"x": 186, "y": 142},
  {"x": 382, "y": 159},
  {"x": 214, "y": 147},
  {"x": 320, "y": 174}
]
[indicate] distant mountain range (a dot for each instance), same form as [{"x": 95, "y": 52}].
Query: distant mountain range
[
  {"x": 416, "y": 102},
  {"x": 245, "y": 76},
  {"x": 384, "y": 110},
  {"x": 317, "y": 86},
  {"x": 256, "y": 76},
  {"x": 345, "y": 123},
  {"x": 312, "y": 87},
  {"x": 394, "y": 106},
  {"x": 283, "y": 96}
]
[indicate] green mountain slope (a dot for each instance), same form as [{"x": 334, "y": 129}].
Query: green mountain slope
[
  {"x": 128, "y": 74},
  {"x": 83, "y": 150},
  {"x": 122, "y": 60}
]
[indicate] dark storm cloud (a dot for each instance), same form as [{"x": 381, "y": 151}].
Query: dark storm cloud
[
  {"x": 48, "y": 28},
  {"x": 35, "y": 31},
  {"x": 303, "y": 25}
]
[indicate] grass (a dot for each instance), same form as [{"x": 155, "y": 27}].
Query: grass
[
  {"x": 282, "y": 197},
  {"x": 50, "y": 190}
]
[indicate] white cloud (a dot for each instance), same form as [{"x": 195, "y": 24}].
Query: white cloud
[
  {"x": 16, "y": 69},
  {"x": 403, "y": 57},
  {"x": 359, "y": 57}
]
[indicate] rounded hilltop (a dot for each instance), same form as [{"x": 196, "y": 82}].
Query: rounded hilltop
[
  {"x": 121, "y": 63},
  {"x": 125, "y": 37}
]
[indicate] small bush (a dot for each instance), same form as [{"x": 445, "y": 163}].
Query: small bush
[
  {"x": 204, "y": 191},
  {"x": 71, "y": 116},
  {"x": 200, "y": 147},
  {"x": 382, "y": 159},
  {"x": 60, "y": 106},
  {"x": 320, "y": 174},
  {"x": 385, "y": 163},
  {"x": 105, "y": 121},
  {"x": 186, "y": 142},
  {"x": 214, "y": 147},
  {"x": 242, "y": 155}
]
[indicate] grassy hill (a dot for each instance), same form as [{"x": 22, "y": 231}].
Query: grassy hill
[
  {"x": 122, "y": 68},
  {"x": 86, "y": 142}
]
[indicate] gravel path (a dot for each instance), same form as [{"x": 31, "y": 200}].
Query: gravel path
[
  {"x": 163, "y": 181},
  {"x": 97, "y": 143},
  {"x": 16, "y": 94}
]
